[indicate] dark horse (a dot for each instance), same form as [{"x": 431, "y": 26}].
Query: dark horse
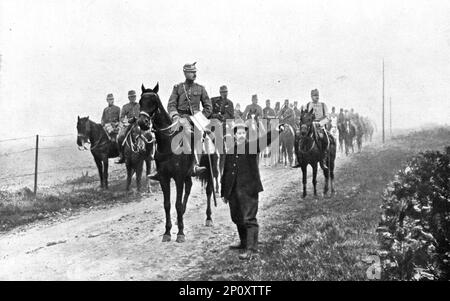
[
  {"x": 138, "y": 147},
  {"x": 102, "y": 148},
  {"x": 348, "y": 131},
  {"x": 309, "y": 152},
  {"x": 169, "y": 164}
]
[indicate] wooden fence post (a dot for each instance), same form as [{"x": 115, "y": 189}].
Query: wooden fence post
[{"x": 36, "y": 164}]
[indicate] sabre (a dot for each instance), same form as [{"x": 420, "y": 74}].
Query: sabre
[{"x": 210, "y": 169}]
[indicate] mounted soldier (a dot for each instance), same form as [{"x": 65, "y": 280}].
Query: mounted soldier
[
  {"x": 110, "y": 118},
  {"x": 253, "y": 111},
  {"x": 222, "y": 107},
  {"x": 320, "y": 120},
  {"x": 277, "y": 108},
  {"x": 184, "y": 103},
  {"x": 286, "y": 114},
  {"x": 238, "y": 112},
  {"x": 129, "y": 114},
  {"x": 333, "y": 122},
  {"x": 268, "y": 112}
]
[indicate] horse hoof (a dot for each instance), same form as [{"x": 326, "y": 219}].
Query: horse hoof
[
  {"x": 166, "y": 238},
  {"x": 180, "y": 238},
  {"x": 209, "y": 223}
]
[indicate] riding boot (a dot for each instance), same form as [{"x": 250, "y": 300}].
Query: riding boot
[{"x": 120, "y": 140}]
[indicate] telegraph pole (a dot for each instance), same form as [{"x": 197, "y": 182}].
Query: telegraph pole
[
  {"x": 382, "y": 110},
  {"x": 390, "y": 116}
]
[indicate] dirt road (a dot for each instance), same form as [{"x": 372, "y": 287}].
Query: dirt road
[{"x": 124, "y": 242}]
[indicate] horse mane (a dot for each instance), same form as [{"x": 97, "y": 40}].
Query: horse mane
[{"x": 160, "y": 106}]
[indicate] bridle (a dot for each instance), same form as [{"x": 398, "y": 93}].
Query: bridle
[
  {"x": 151, "y": 116},
  {"x": 309, "y": 134},
  {"x": 85, "y": 136},
  {"x": 132, "y": 144}
]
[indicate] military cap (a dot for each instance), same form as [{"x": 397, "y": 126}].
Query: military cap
[
  {"x": 314, "y": 92},
  {"x": 223, "y": 89},
  {"x": 190, "y": 67},
  {"x": 131, "y": 93},
  {"x": 109, "y": 96}
]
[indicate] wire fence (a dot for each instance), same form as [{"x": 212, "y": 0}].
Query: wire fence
[{"x": 36, "y": 150}]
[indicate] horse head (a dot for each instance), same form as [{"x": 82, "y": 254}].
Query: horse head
[
  {"x": 149, "y": 106},
  {"x": 84, "y": 132},
  {"x": 138, "y": 140},
  {"x": 306, "y": 121}
]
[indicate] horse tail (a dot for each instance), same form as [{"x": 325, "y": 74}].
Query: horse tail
[{"x": 205, "y": 178}]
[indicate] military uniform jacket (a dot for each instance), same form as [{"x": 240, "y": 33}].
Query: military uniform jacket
[
  {"x": 341, "y": 118},
  {"x": 130, "y": 110},
  {"x": 286, "y": 115},
  {"x": 252, "y": 109},
  {"x": 110, "y": 114},
  {"x": 297, "y": 113},
  {"x": 222, "y": 109},
  {"x": 178, "y": 101},
  {"x": 241, "y": 171},
  {"x": 319, "y": 108},
  {"x": 268, "y": 113}
]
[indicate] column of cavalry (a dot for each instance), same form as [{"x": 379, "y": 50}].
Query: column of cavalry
[{"x": 146, "y": 130}]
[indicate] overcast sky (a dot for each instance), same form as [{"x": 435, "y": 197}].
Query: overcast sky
[{"x": 60, "y": 58}]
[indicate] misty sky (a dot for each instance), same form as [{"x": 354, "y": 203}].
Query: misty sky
[{"x": 59, "y": 59}]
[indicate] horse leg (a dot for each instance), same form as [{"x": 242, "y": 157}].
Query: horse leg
[
  {"x": 187, "y": 191},
  {"x": 346, "y": 147},
  {"x": 139, "y": 169},
  {"x": 304, "y": 180},
  {"x": 217, "y": 184},
  {"x": 148, "y": 170},
  {"x": 314, "y": 178},
  {"x": 209, "y": 190},
  {"x": 165, "y": 187},
  {"x": 326, "y": 174},
  {"x": 179, "y": 183},
  {"x": 291, "y": 156},
  {"x": 99, "y": 164},
  {"x": 331, "y": 167},
  {"x": 129, "y": 175},
  {"x": 105, "y": 172}
]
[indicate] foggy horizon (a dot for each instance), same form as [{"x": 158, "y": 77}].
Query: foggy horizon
[{"x": 59, "y": 59}]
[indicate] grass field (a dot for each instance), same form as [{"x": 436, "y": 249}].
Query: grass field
[{"x": 326, "y": 238}]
